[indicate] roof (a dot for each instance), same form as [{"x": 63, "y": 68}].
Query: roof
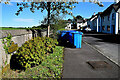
[
  {"x": 109, "y": 9},
  {"x": 93, "y": 16},
  {"x": 117, "y": 6},
  {"x": 100, "y": 13}
]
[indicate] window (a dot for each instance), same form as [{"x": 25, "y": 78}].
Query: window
[
  {"x": 108, "y": 17},
  {"x": 113, "y": 16},
  {"x": 108, "y": 28},
  {"x": 103, "y": 28}
]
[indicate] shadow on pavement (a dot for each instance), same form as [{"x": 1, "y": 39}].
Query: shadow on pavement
[{"x": 111, "y": 38}]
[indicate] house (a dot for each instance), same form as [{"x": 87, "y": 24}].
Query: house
[
  {"x": 107, "y": 21},
  {"x": 82, "y": 25},
  {"x": 99, "y": 25},
  {"x": 76, "y": 23},
  {"x": 92, "y": 22},
  {"x": 79, "y": 23},
  {"x": 69, "y": 23},
  {"x": 110, "y": 22}
]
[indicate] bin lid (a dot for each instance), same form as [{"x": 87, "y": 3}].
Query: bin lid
[
  {"x": 72, "y": 31},
  {"x": 77, "y": 32}
]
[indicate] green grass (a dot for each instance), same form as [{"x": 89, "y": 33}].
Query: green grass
[
  {"x": 7, "y": 28},
  {"x": 51, "y": 67}
]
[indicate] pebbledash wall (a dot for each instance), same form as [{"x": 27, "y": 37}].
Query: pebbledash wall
[{"x": 19, "y": 37}]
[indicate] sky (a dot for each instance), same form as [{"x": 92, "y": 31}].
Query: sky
[{"x": 29, "y": 19}]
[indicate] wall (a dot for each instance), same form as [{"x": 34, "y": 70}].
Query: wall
[
  {"x": 79, "y": 25},
  {"x": 19, "y": 37},
  {"x": 99, "y": 24},
  {"x": 119, "y": 18},
  {"x": 84, "y": 24},
  {"x": 68, "y": 26}
]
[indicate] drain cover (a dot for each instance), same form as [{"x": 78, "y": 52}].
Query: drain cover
[{"x": 99, "y": 64}]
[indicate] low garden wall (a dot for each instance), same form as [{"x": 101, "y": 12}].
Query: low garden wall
[{"x": 19, "y": 37}]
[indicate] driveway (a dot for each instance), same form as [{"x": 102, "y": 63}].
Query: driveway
[{"x": 106, "y": 44}]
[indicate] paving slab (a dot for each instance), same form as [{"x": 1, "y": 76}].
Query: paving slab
[{"x": 76, "y": 66}]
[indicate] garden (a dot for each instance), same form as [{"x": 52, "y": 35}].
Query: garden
[{"x": 40, "y": 57}]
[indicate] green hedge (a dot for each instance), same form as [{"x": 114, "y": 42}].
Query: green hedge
[
  {"x": 33, "y": 52},
  {"x": 51, "y": 66}
]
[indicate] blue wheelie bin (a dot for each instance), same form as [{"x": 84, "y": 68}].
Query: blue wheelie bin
[
  {"x": 77, "y": 38},
  {"x": 74, "y": 37}
]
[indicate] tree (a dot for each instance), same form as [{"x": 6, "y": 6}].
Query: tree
[
  {"x": 50, "y": 7},
  {"x": 53, "y": 19},
  {"x": 79, "y": 17}
]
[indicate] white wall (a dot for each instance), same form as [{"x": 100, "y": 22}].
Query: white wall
[
  {"x": 79, "y": 25},
  {"x": 119, "y": 19},
  {"x": 68, "y": 26},
  {"x": 116, "y": 23},
  {"x": 84, "y": 24}
]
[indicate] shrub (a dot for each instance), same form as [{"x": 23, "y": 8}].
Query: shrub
[
  {"x": 32, "y": 52},
  {"x": 13, "y": 47},
  {"x": 9, "y": 45}
]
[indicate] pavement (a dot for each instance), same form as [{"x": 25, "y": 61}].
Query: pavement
[
  {"x": 106, "y": 44},
  {"x": 76, "y": 66}
]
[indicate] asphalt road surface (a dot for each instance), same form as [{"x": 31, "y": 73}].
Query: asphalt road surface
[{"x": 106, "y": 44}]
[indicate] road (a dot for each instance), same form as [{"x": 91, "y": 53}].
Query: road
[
  {"x": 77, "y": 68},
  {"x": 106, "y": 44}
]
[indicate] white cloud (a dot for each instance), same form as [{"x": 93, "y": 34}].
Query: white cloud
[{"x": 23, "y": 20}]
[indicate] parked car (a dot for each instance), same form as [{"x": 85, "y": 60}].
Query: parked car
[{"x": 87, "y": 29}]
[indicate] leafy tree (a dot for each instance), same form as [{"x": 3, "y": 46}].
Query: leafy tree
[
  {"x": 79, "y": 17},
  {"x": 50, "y": 7},
  {"x": 53, "y": 19}
]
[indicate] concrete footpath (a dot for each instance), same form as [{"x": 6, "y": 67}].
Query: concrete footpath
[{"x": 76, "y": 66}]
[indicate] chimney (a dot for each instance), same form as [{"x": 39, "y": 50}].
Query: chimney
[{"x": 94, "y": 13}]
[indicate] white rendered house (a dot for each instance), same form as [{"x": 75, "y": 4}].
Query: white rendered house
[{"x": 68, "y": 25}]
